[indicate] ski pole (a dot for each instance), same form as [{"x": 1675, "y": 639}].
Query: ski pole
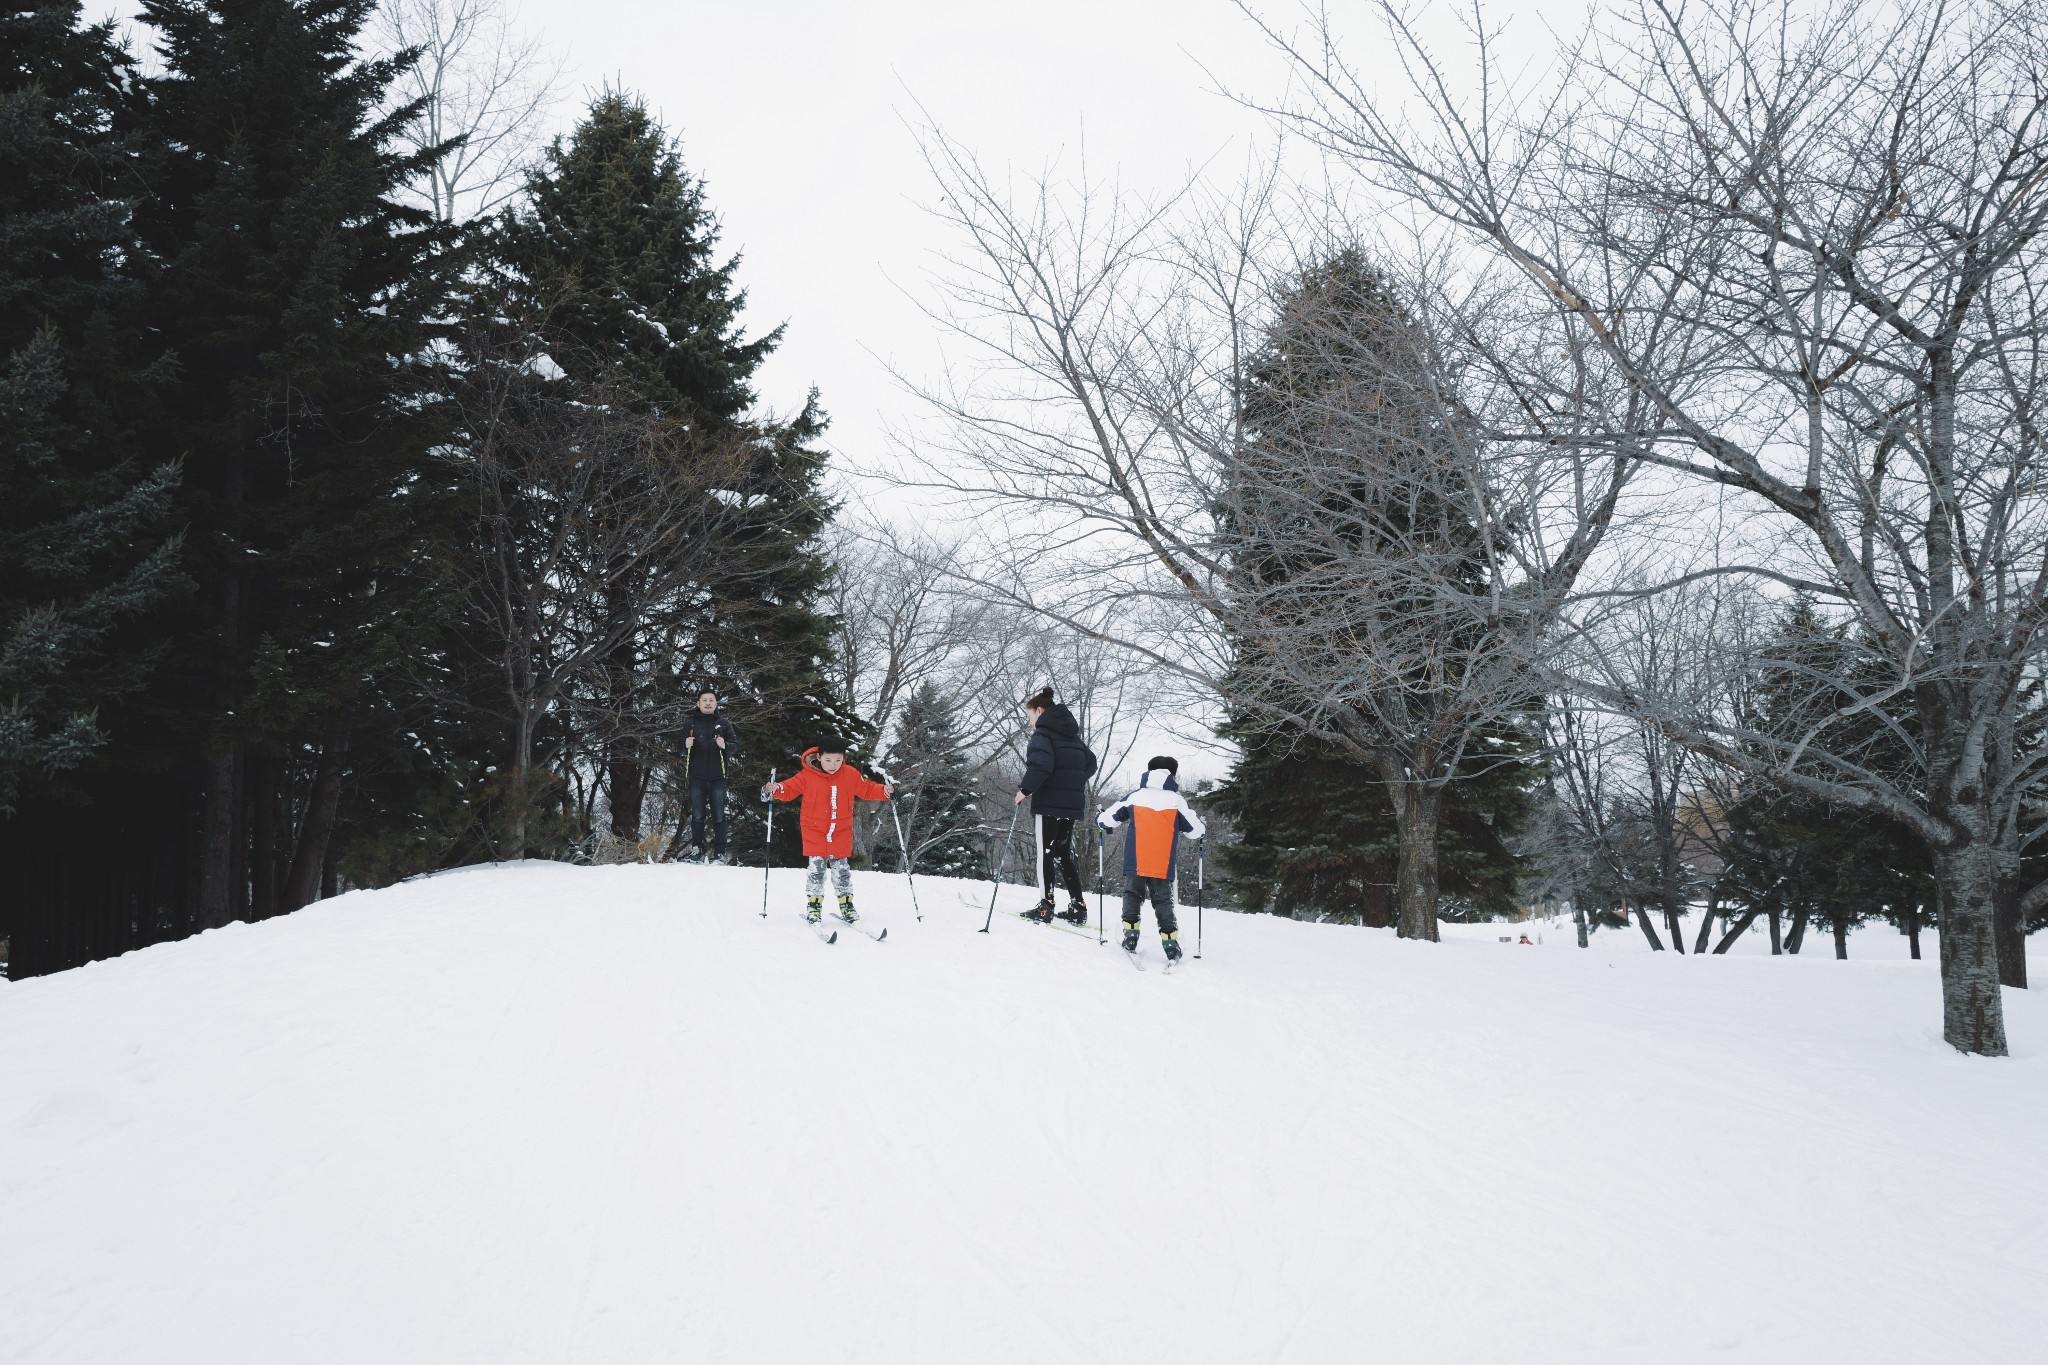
[
  {"x": 1101, "y": 936},
  {"x": 903, "y": 844},
  {"x": 1201, "y": 866},
  {"x": 1002, "y": 860},
  {"x": 768, "y": 844}
]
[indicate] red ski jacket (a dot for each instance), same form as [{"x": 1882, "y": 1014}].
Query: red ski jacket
[{"x": 827, "y": 818}]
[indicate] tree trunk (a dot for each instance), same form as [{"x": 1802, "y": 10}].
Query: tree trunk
[
  {"x": 1913, "y": 929},
  {"x": 265, "y": 778},
  {"x": 1579, "y": 915},
  {"x": 1736, "y": 931},
  {"x": 1416, "y": 807},
  {"x": 626, "y": 773},
  {"x": 1670, "y": 893},
  {"x": 1841, "y": 926},
  {"x": 1777, "y": 938},
  {"x": 323, "y": 804},
  {"x": 1796, "y": 940},
  {"x": 517, "y": 795},
  {"x": 1706, "y": 924},
  {"x": 1642, "y": 918},
  {"x": 217, "y": 899},
  {"x": 2011, "y": 934},
  {"x": 626, "y": 784},
  {"x": 1972, "y": 1012}
]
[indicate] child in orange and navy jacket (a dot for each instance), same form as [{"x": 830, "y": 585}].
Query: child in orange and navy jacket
[
  {"x": 828, "y": 788},
  {"x": 1156, "y": 817}
]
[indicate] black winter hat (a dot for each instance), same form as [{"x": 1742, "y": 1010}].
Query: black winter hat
[
  {"x": 831, "y": 744},
  {"x": 1166, "y": 761}
]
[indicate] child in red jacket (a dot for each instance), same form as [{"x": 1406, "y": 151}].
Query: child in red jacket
[{"x": 828, "y": 788}]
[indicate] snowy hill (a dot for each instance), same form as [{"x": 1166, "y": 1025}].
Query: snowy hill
[{"x": 610, "y": 1115}]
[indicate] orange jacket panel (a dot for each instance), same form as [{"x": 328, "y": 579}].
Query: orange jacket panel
[{"x": 827, "y": 818}]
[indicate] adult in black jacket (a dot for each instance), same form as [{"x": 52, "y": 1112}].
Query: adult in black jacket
[
  {"x": 710, "y": 747},
  {"x": 1057, "y": 766}
]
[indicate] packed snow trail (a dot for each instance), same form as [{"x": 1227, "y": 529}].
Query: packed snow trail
[{"x": 547, "y": 1114}]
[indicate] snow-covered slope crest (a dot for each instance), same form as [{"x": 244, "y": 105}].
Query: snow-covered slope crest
[{"x": 544, "y": 1113}]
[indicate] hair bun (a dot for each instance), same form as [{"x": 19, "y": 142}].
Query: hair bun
[{"x": 1039, "y": 700}]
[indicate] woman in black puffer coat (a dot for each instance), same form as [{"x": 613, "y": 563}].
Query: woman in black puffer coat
[{"x": 1057, "y": 766}]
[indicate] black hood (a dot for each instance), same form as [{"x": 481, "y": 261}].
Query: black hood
[{"x": 1058, "y": 720}]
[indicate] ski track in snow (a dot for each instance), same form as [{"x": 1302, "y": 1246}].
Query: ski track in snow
[{"x": 550, "y": 1114}]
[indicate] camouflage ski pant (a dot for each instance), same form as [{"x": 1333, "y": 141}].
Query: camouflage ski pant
[{"x": 814, "y": 876}]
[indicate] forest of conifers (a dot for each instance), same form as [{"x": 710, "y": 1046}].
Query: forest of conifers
[{"x": 340, "y": 539}]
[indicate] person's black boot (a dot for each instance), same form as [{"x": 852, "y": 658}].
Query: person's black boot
[
  {"x": 1042, "y": 912},
  {"x": 1171, "y": 942},
  {"x": 1130, "y": 937},
  {"x": 1075, "y": 913}
]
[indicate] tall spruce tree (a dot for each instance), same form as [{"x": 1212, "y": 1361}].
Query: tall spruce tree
[
  {"x": 1786, "y": 854},
  {"x": 84, "y": 550},
  {"x": 935, "y": 791},
  {"x": 1319, "y": 833},
  {"x": 299, "y": 296},
  {"x": 613, "y": 260}
]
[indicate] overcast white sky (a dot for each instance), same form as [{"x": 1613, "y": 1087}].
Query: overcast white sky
[{"x": 796, "y": 113}]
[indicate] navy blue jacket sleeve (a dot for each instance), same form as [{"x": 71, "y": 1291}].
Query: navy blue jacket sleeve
[{"x": 1038, "y": 760}]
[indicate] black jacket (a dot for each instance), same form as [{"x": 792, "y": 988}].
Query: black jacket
[
  {"x": 708, "y": 762},
  {"x": 1057, "y": 766}
]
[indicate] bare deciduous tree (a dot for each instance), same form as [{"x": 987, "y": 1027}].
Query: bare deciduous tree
[
  {"x": 577, "y": 496},
  {"x": 486, "y": 89},
  {"x": 1221, "y": 454},
  {"x": 1794, "y": 257},
  {"x": 902, "y": 621}
]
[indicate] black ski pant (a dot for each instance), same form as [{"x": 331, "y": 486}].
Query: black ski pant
[
  {"x": 1160, "y": 890},
  {"x": 707, "y": 795},
  {"x": 1060, "y": 867}
]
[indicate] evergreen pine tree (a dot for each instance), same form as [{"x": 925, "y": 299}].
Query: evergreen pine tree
[
  {"x": 299, "y": 297},
  {"x": 615, "y": 253},
  {"x": 1318, "y": 835},
  {"x": 614, "y": 261},
  {"x": 84, "y": 550},
  {"x": 1786, "y": 854},
  {"x": 935, "y": 793}
]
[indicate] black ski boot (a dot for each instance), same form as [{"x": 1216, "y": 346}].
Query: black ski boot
[
  {"x": 1042, "y": 912},
  {"x": 814, "y": 909},
  {"x": 1130, "y": 937},
  {"x": 1075, "y": 913},
  {"x": 1171, "y": 942},
  {"x": 846, "y": 911}
]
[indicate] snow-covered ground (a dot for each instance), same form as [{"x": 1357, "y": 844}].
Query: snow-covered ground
[{"x": 610, "y": 1115}]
